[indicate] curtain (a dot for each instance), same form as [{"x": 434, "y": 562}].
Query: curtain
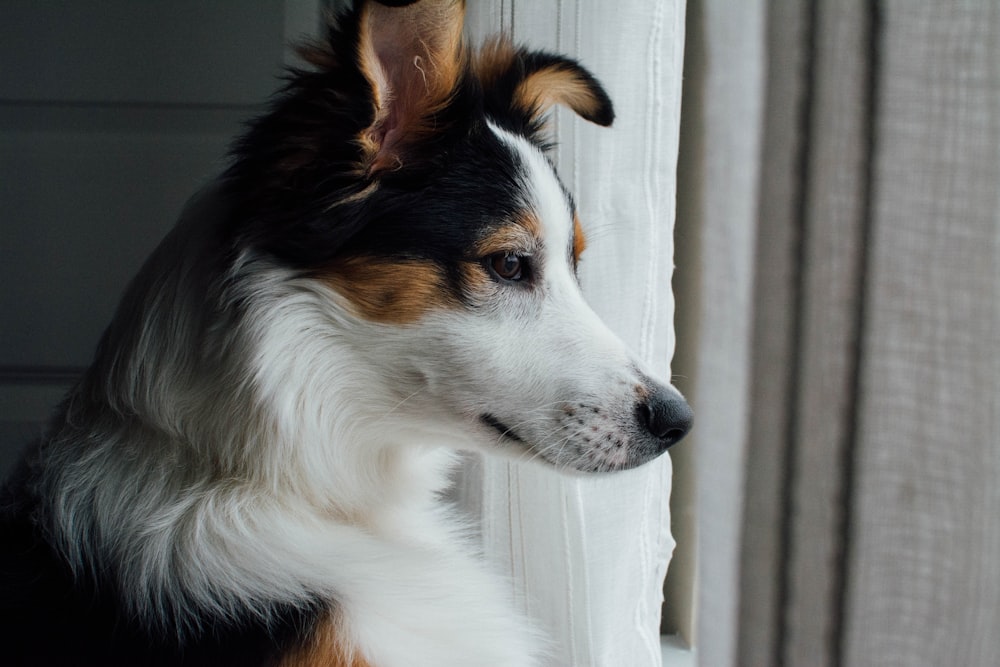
[
  {"x": 587, "y": 557},
  {"x": 717, "y": 212},
  {"x": 840, "y": 164}
]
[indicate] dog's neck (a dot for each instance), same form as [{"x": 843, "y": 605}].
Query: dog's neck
[
  {"x": 183, "y": 547},
  {"x": 225, "y": 484}
]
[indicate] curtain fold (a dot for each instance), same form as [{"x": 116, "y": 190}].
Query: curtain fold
[
  {"x": 717, "y": 226},
  {"x": 587, "y": 556},
  {"x": 869, "y": 532}
]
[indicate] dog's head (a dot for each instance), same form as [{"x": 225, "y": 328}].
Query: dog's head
[{"x": 406, "y": 178}]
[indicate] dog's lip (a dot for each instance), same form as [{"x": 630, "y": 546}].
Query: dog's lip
[
  {"x": 586, "y": 466},
  {"x": 504, "y": 430}
]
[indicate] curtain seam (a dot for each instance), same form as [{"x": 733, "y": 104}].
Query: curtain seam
[{"x": 841, "y": 601}]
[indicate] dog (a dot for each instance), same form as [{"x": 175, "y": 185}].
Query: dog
[{"x": 251, "y": 470}]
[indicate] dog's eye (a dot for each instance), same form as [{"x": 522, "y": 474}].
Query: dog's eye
[{"x": 507, "y": 266}]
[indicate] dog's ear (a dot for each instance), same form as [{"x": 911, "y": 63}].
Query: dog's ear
[
  {"x": 528, "y": 83},
  {"x": 412, "y": 54},
  {"x": 303, "y": 174}
]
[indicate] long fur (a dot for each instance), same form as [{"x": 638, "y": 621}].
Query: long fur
[{"x": 259, "y": 448}]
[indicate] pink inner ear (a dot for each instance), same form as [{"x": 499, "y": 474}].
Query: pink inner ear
[
  {"x": 396, "y": 53},
  {"x": 413, "y": 55}
]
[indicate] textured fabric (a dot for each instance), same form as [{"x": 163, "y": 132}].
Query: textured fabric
[
  {"x": 870, "y": 532},
  {"x": 924, "y": 584},
  {"x": 587, "y": 556},
  {"x": 720, "y": 168}
]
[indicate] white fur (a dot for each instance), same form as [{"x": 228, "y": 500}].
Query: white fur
[{"x": 244, "y": 439}]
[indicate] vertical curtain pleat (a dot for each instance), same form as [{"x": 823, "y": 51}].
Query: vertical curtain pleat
[
  {"x": 717, "y": 211},
  {"x": 924, "y": 561}
]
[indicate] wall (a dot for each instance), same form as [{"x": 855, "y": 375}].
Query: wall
[{"x": 112, "y": 113}]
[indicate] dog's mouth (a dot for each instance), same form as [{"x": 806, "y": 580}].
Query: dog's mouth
[
  {"x": 501, "y": 428},
  {"x": 592, "y": 437}
]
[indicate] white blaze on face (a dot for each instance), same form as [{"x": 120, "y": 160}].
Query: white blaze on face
[
  {"x": 554, "y": 374},
  {"x": 526, "y": 365},
  {"x": 565, "y": 319}
]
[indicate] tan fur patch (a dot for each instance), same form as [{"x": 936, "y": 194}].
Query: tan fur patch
[
  {"x": 524, "y": 235},
  {"x": 476, "y": 281},
  {"x": 325, "y": 648},
  {"x": 579, "y": 240},
  {"x": 494, "y": 59},
  {"x": 391, "y": 292},
  {"x": 556, "y": 85},
  {"x": 479, "y": 289}
]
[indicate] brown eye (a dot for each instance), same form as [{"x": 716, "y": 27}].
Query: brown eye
[{"x": 507, "y": 267}]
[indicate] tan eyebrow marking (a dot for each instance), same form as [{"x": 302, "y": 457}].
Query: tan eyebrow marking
[{"x": 523, "y": 234}]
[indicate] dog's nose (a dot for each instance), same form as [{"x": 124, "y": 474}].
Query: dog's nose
[{"x": 666, "y": 415}]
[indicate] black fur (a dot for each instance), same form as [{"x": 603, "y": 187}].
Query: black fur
[
  {"x": 297, "y": 176},
  {"x": 50, "y": 619}
]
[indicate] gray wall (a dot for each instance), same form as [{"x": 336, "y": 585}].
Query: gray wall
[{"x": 112, "y": 113}]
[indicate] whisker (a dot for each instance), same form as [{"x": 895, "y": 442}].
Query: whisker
[{"x": 396, "y": 407}]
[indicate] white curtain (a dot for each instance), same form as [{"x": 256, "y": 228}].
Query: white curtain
[{"x": 587, "y": 557}]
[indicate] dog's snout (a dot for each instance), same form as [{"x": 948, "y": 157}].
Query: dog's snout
[{"x": 666, "y": 415}]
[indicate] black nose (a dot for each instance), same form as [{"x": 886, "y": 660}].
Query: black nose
[{"x": 666, "y": 415}]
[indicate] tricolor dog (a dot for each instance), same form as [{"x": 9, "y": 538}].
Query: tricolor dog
[{"x": 250, "y": 471}]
